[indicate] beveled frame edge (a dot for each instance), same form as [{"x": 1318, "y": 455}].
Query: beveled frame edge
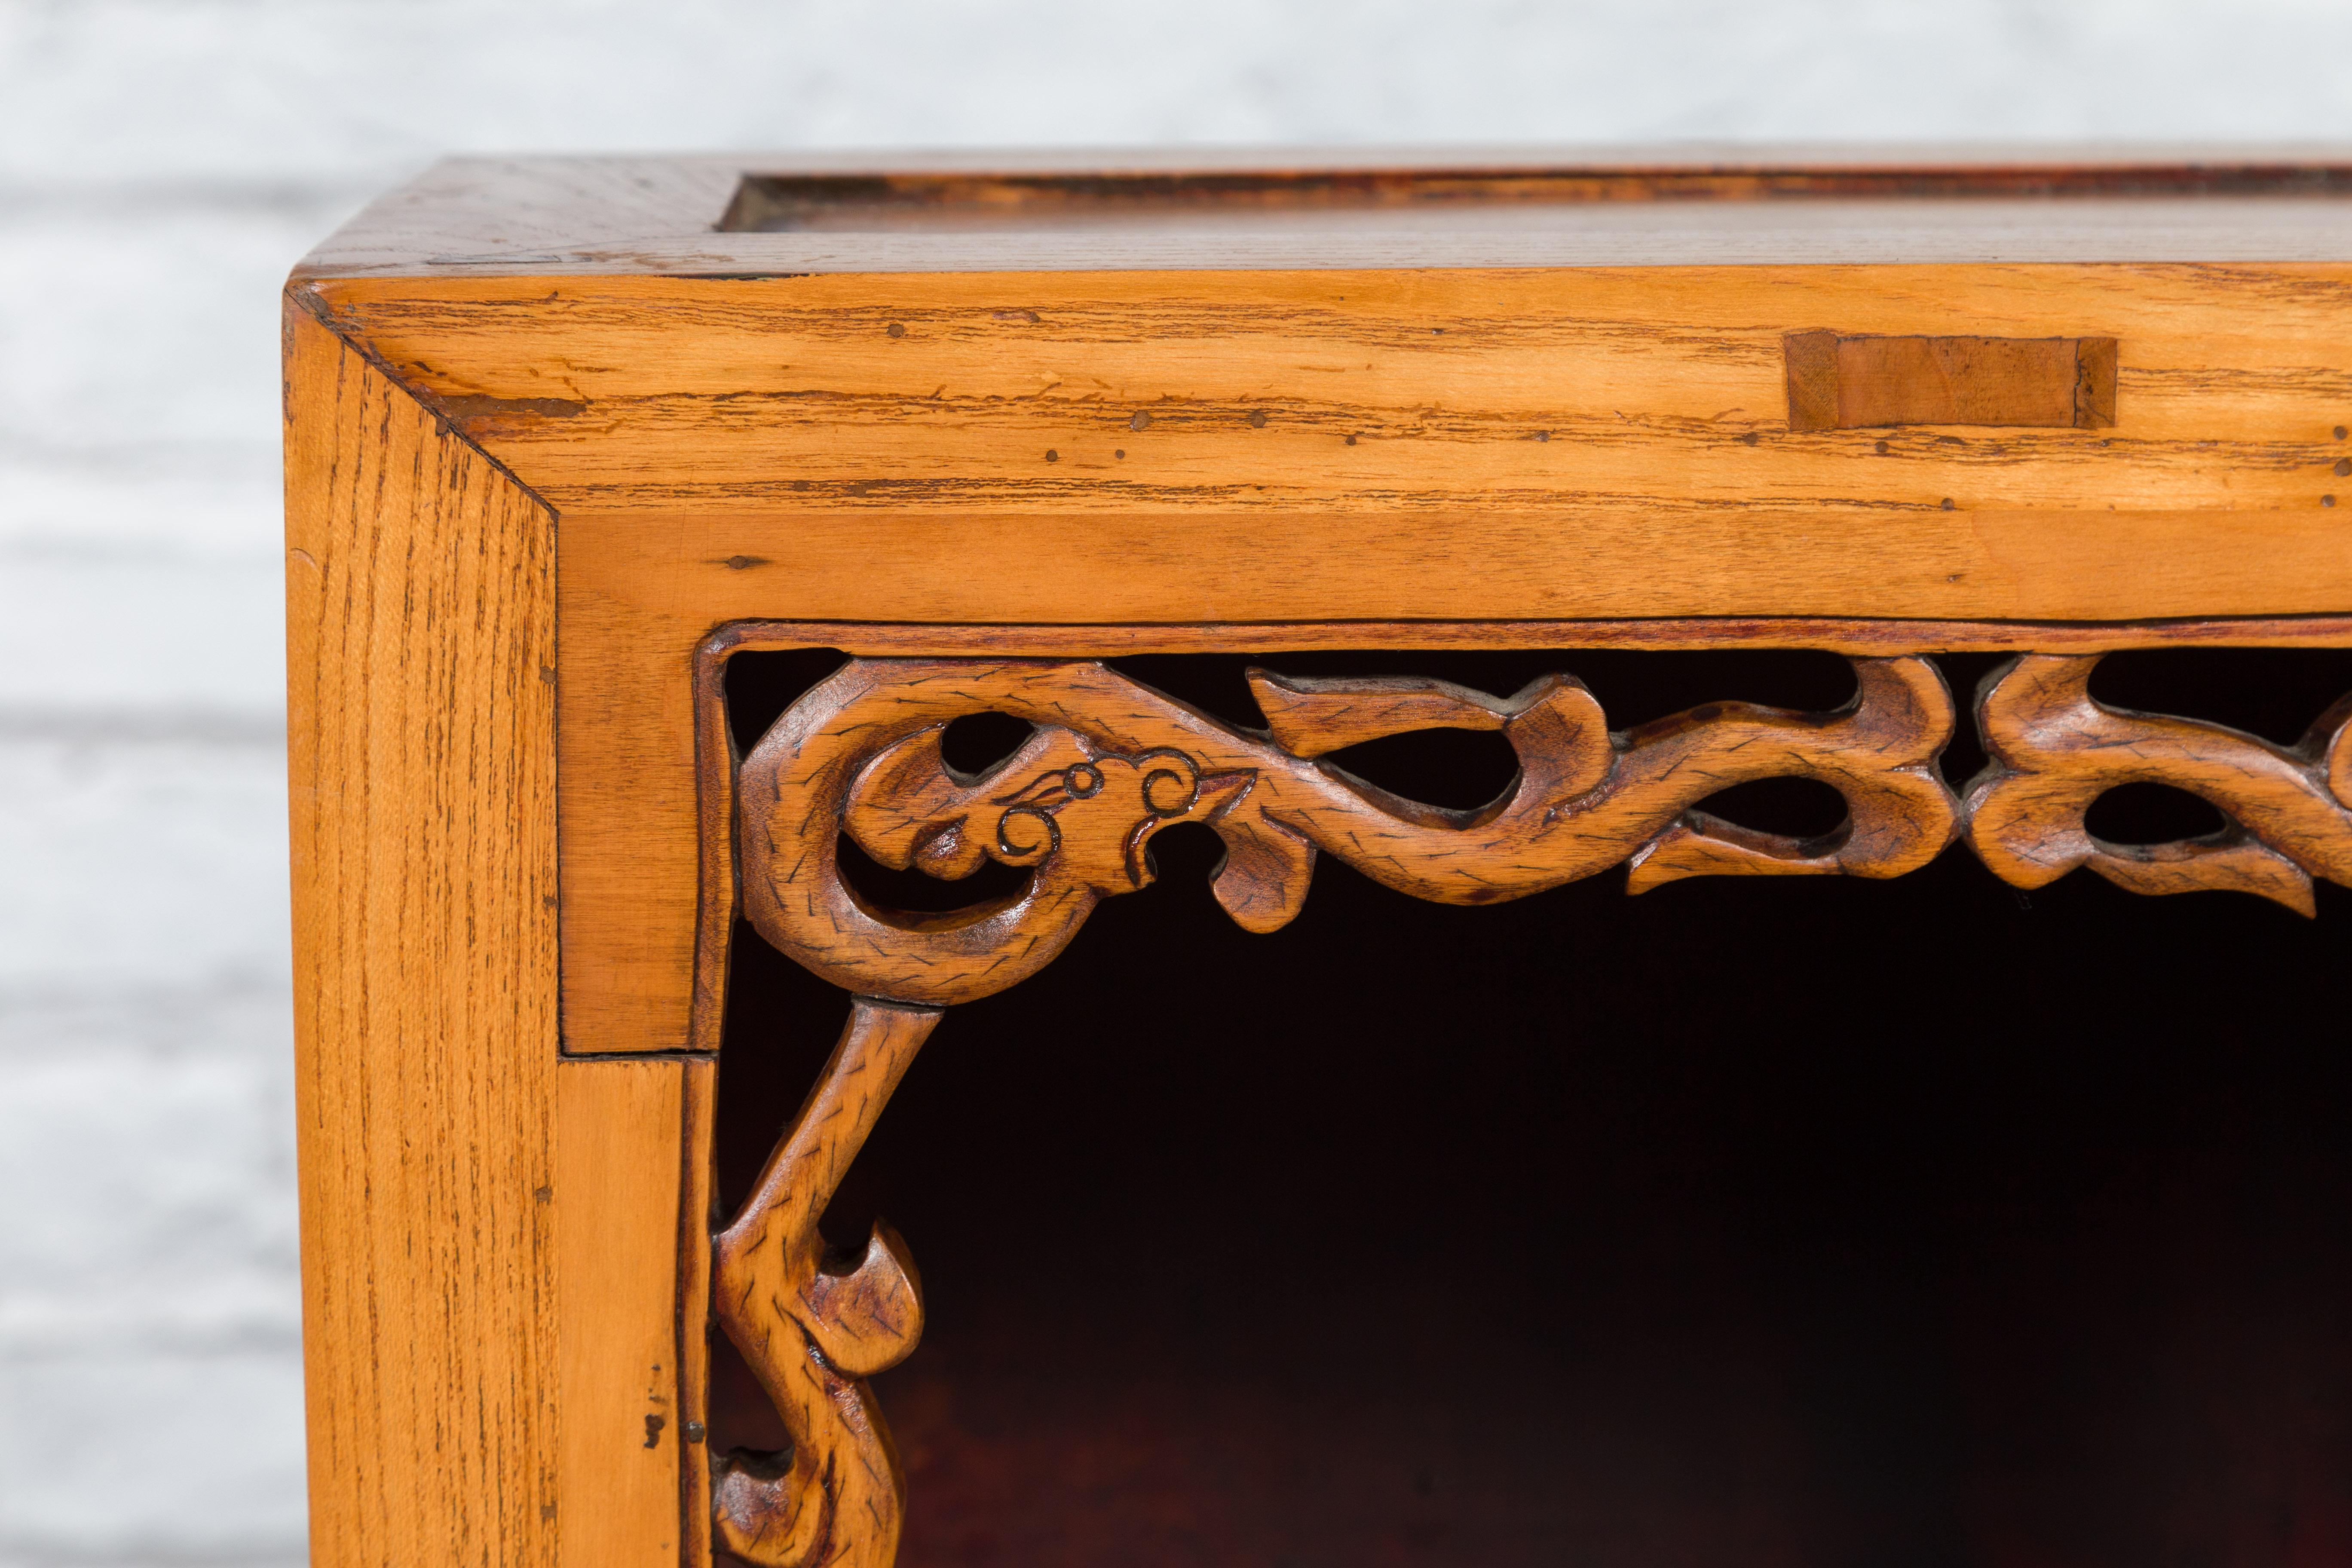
[
  {"x": 518, "y": 1317},
  {"x": 451, "y": 851},
  {"x": 698, "y": 1195}
]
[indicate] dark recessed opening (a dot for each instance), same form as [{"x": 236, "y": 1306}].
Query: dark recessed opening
[
  {"x": 918, "y": 893},
  {"x": 979, "y": 741},
  {"x": 2150, "y": 814},
  {"x": 1758, "y": 1220},
  {"x": 760, "y": 684},
  {"x": 1633, "y": 688},
  {"x": 1800, "y": 808},
  {"x": 1460, "y": 770},
  {"x": 949, "y": 200},
  {"x": 2275, "y": 693}
]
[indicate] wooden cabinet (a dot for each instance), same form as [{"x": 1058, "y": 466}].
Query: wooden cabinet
[{"x": 568, "y": 438}]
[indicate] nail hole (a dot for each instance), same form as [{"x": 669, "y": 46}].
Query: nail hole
[
  {"x": 898, "y": 330},
  {"x": 1139, "y": 421},
  {"x": 1051, "y": 456},
  {"x": 1257, "y": 419}
]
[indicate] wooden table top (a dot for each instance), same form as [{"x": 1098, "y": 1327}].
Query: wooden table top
[{"x": 717, "y": 215}]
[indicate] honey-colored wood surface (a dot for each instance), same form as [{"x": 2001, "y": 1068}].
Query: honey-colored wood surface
[
  {"x": 504, "y": 1263},
  {"x": 1074, "y": 210},
  {"x": 1438, "y": 406},
  {"x": 632, "y": 1200},
  {"x": 2055, "y": 749},
  {"x": 1417, "y": 440},
  {"x": 1184, "y": 448},
  {"x": 1111, "y": 762},
  {"x": 421, "y": 729},
  {"x": 813, "y": 1329}
]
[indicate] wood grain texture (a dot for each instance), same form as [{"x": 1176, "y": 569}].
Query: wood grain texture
[
  {"x": 2056, "y": 749},
  {"x": 632, "y": 1200},
  {"x": 421, "y": 730},
  {"x": 1586, "y": 396},
  {"x": 1111, "y": 762},
  {"x": 1308, "y": 717},
  {"x": 1022, "y": 438},
  {"x": 1600, "y": 445},
  {"x": 588, "y": 216},
  {"x": 813, "y": 1329},
  {"x": 810, "y": 462},
  {"x": 1854, "y": 637}
]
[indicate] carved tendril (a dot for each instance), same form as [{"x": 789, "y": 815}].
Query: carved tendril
[
  {"x": 2055, "y": 749},
  {"x": 860, "y": 754}
]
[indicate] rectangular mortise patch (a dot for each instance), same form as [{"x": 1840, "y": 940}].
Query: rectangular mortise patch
[{"x": 1865, "y": 383}]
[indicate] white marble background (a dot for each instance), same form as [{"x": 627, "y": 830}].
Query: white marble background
[{"x": 162, "y": 162}]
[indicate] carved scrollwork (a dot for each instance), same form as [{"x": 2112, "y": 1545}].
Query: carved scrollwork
[
  {"x": 814, "y": 1328},
  {"x": 1108, "y": 764},
  {"x": 2056, "y": 749}
]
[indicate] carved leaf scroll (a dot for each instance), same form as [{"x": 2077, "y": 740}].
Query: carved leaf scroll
[
  {"x": 2056, "y": 749},
  {"x": 814, "y": 1328},
  {"x": 1110, "y": 763}
]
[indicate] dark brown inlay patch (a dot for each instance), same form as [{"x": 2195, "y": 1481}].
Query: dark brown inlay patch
[{"x": 1866, "y": 383}]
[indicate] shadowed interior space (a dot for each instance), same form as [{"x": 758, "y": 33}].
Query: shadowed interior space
[
  {"x": 1501, "y": 195},
  {"x": 1810, "y": 1222}
]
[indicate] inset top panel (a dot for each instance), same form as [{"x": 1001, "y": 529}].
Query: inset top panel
[{"x": 1195, "y": 210}]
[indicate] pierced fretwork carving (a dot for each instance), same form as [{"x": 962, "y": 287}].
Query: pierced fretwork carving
[
  {"x": 2056, "y": 749},
  {"x": 1110, "y": 763},
  {"x": 814, "y": 1328}
]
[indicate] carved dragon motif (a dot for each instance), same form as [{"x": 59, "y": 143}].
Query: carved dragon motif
[{"x": 860, "y": 753}]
